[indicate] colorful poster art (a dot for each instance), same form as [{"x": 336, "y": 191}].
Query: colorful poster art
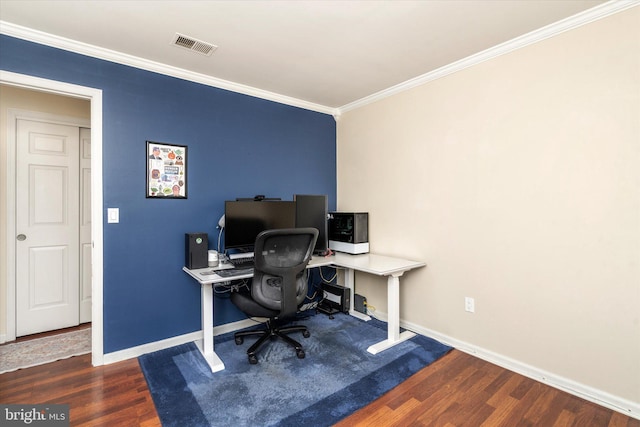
[{"x": 166, "y": 170}]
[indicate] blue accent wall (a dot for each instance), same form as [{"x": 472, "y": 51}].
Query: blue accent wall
[{"x": 238, "y": 146}]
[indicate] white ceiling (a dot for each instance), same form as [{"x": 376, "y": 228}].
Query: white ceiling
[{"x": 324, "y": 55}]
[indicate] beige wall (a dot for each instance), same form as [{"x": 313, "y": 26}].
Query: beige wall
[
  {"x": 22, "y": 99},
  {"x": 518, "y": 182}
]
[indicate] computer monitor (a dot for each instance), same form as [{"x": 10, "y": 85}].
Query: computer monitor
[
  {"x": 245, "y": 219},
  {"x": 312, "y": 211}
]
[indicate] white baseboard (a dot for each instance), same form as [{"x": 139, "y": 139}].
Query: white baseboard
[
  {"x": 591, "y": 394},
  {"x": 133, "y": 352},
  {"x": 602, "y": 398},
  {"x": 3, "y": 338}
]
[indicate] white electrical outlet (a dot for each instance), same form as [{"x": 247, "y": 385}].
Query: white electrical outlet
[{"x": 469, "y": 304}]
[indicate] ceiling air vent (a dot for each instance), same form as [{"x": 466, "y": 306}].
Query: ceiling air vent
[{"x": 193, "y": 45}]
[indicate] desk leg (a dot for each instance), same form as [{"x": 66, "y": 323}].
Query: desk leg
[
  {"x": 393, "y": 323},
  {"x": 350, "y": 282},
  {"x": 206, "y": 344}
]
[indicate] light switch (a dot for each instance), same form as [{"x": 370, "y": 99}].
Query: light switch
[{"x": 113, "y": 215}]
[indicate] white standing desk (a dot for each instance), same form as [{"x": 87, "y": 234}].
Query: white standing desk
[{"x": 378, "y": 265}]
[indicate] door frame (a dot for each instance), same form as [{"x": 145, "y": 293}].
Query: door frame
[{"x": 95, "y": 98}]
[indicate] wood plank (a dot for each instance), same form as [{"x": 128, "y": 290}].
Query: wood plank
[
  {"x": 456, "y": 390},
  {"x": 106, "y": 395}
]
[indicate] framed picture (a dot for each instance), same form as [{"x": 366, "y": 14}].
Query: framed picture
[{"x": 166, "y": 170}]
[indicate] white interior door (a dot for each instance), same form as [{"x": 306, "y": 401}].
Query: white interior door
[
  {"x": 85, "y": 225},
  {"x": 47, "y": 225}
]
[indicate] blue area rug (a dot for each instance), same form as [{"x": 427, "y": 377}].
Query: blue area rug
[{"x": 337, "y": 377}]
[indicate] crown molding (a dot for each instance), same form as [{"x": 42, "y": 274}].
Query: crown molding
[
  {"x": 51, "y": 40},
  {"x": 590, "y": 15},
  {"x": 577, "y": 20}
]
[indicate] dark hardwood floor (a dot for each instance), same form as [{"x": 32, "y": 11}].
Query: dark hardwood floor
[
  {"x": 110, "y": 395},
  {"x": 457, "y": 390},
  {"x": 462, "y": 390}
]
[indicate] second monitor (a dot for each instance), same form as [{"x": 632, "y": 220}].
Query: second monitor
[{"x": 312, "y": 211}]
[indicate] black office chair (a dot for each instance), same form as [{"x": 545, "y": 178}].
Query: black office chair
[{"x": 279, "y": 285}]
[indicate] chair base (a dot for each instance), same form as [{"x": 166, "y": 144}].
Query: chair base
[{"x": 272, "y": 331}]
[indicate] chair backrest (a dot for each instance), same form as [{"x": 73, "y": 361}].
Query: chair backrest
[{"x": 279, "y": 276}]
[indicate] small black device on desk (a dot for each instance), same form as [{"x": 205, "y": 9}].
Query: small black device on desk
[{"x": 196, "y": 250}]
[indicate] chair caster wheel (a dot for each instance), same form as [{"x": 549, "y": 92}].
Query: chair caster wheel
[
  {"x": 306, "y": 334},
  {"x": 253, "y": 359},
  {"x": 239, "y": 340},
  {"x": 300, "y": 354}
]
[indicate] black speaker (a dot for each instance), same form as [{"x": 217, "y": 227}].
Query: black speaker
[{"x": 196, "y": 250}]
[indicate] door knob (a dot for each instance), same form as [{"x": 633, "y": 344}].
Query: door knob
[{"x": 21, "y": 237}]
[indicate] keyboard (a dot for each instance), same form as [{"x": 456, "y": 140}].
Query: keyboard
[
  {"x": 243, "y": 262},
  {"x": 233, "y": 272}
]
